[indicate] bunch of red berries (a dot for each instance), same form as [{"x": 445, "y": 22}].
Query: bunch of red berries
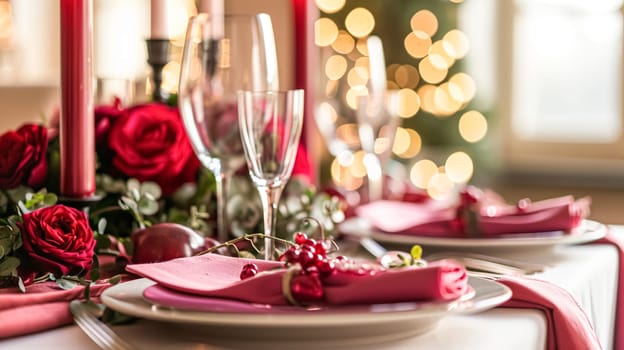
[{"x": 310, "y": 257}]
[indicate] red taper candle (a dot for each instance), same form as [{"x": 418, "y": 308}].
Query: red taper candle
[{"x": 77, "y": 132}]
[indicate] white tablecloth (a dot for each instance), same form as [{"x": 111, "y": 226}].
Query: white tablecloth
[{"x": 588, "y": 272}]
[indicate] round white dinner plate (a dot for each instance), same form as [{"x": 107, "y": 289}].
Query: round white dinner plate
[
  {"x": 587, "y": 231},
  {"x": 337, "y": 324}
]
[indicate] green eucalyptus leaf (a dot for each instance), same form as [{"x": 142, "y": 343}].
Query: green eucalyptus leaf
[
  {"x": 183, "y": 195},
  {"x": 13, "y": 221},
  {"x": 50, "y": 199},
  {"x": 133, "y": 185},
  {"x": 135, "y": 194},
  {"x": 114, "y": 280},
  {"x": 245, "y": 254},
  {"x": 66, "y": 284},
  {"x": 20, "y": 285},
  {"x": 87, "y": 291},
  {"x": 23, "y": 208},
  {"x": 19, "y": 193},
  {"x": 127, "y": 203},
  {"x": 95, "y": 268},
  {"x": 305, "y": 200},
  {"x": 127, "y": 244},
  {"x": 17, "y": 244},
  {"x": 122, "y": 204},
  {"x": 102, "y": 242},
  {"x": 152, "y": 188},
  {"x": 6, "y": 231},
  {"x": 206, "y": 185},
  {"x": 45, "y": 277},
  {"x": 101, "y": 226},
  {"x": 148, "y": 207},
  {"x": 110, "y": 185},
  {"x": 8, "y": 266}
]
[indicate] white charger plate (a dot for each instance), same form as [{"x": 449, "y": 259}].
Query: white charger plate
[
  {"x": 587, "y": 231},
  {"x": 331, "y": 326}
]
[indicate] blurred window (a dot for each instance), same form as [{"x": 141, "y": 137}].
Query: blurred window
[{"x": 557, "y": 82}]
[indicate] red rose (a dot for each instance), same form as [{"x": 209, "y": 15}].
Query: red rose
[
  {"x": 149, "y": 143},
  {"x": 23, "y": 157},
  {"x": 58, "y": 239}
]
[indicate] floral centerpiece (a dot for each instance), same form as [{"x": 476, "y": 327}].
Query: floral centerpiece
[{"x": 147, "y": 176}]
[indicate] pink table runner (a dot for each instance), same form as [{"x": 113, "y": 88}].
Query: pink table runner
[
  {"x": 567, "y": 324},
  {"x": 618, "y": 332}
]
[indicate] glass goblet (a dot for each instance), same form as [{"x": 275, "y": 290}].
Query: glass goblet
[
  {"x": 270, "y": 123},
  {"x": 222, "y": 56}
]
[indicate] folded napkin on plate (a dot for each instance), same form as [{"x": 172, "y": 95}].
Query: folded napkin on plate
[
  {"x": 217, "y": 276},
  {"x": 44, "y": 306},
  {"x": 490, "y": 216},
  {"x": 567, "y": 324}
]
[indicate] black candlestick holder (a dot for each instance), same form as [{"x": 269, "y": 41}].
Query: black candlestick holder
[
  {"x": 158, "y": 57},
  {"x": 81, "y": 203}
]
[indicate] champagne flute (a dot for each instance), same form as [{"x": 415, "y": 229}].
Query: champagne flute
[
  {"x": 368, "y": 123},
  {"x": 377, "y": 124},
  {"x": 222, "y": 56},
  {"x": 270, "y": 124},
  {"x": 371, "y": 116}
]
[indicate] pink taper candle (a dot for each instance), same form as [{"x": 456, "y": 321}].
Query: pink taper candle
[
  {"x": 158, "y": 20},
  {"x": 77, "y": 122},
  {"x": 215, "y": 8}
]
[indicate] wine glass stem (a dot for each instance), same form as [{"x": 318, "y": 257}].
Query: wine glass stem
[
  {"x": 374, "y": 172},
  {"x": 269, "y": 196},
  {"x": 222, "y": 183}
]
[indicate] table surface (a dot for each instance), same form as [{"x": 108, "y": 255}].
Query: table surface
[{"x": 588, "y": 272}]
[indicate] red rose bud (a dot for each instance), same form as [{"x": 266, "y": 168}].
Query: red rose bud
[
  {"x": 149, "y": 143},
  {"x": 23, "y": 159},
  {"x": 58, "y": 239},
  {"x": 165, "y": 241}
]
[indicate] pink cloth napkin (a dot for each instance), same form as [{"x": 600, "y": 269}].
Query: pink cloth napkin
[
  {"x": 214, "y": 275},
  {"x": 44, "y": 306},
  {"x": 567, "y": 324},
  {"x": 618, "y": 337},
  {"x": 493, "y": 216}
]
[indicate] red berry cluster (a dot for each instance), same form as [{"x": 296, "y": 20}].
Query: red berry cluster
[
  {"x": 310, "y": 258},
  {"x": 310, "y": 254},
  {"x": 315, "y": 265}
]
